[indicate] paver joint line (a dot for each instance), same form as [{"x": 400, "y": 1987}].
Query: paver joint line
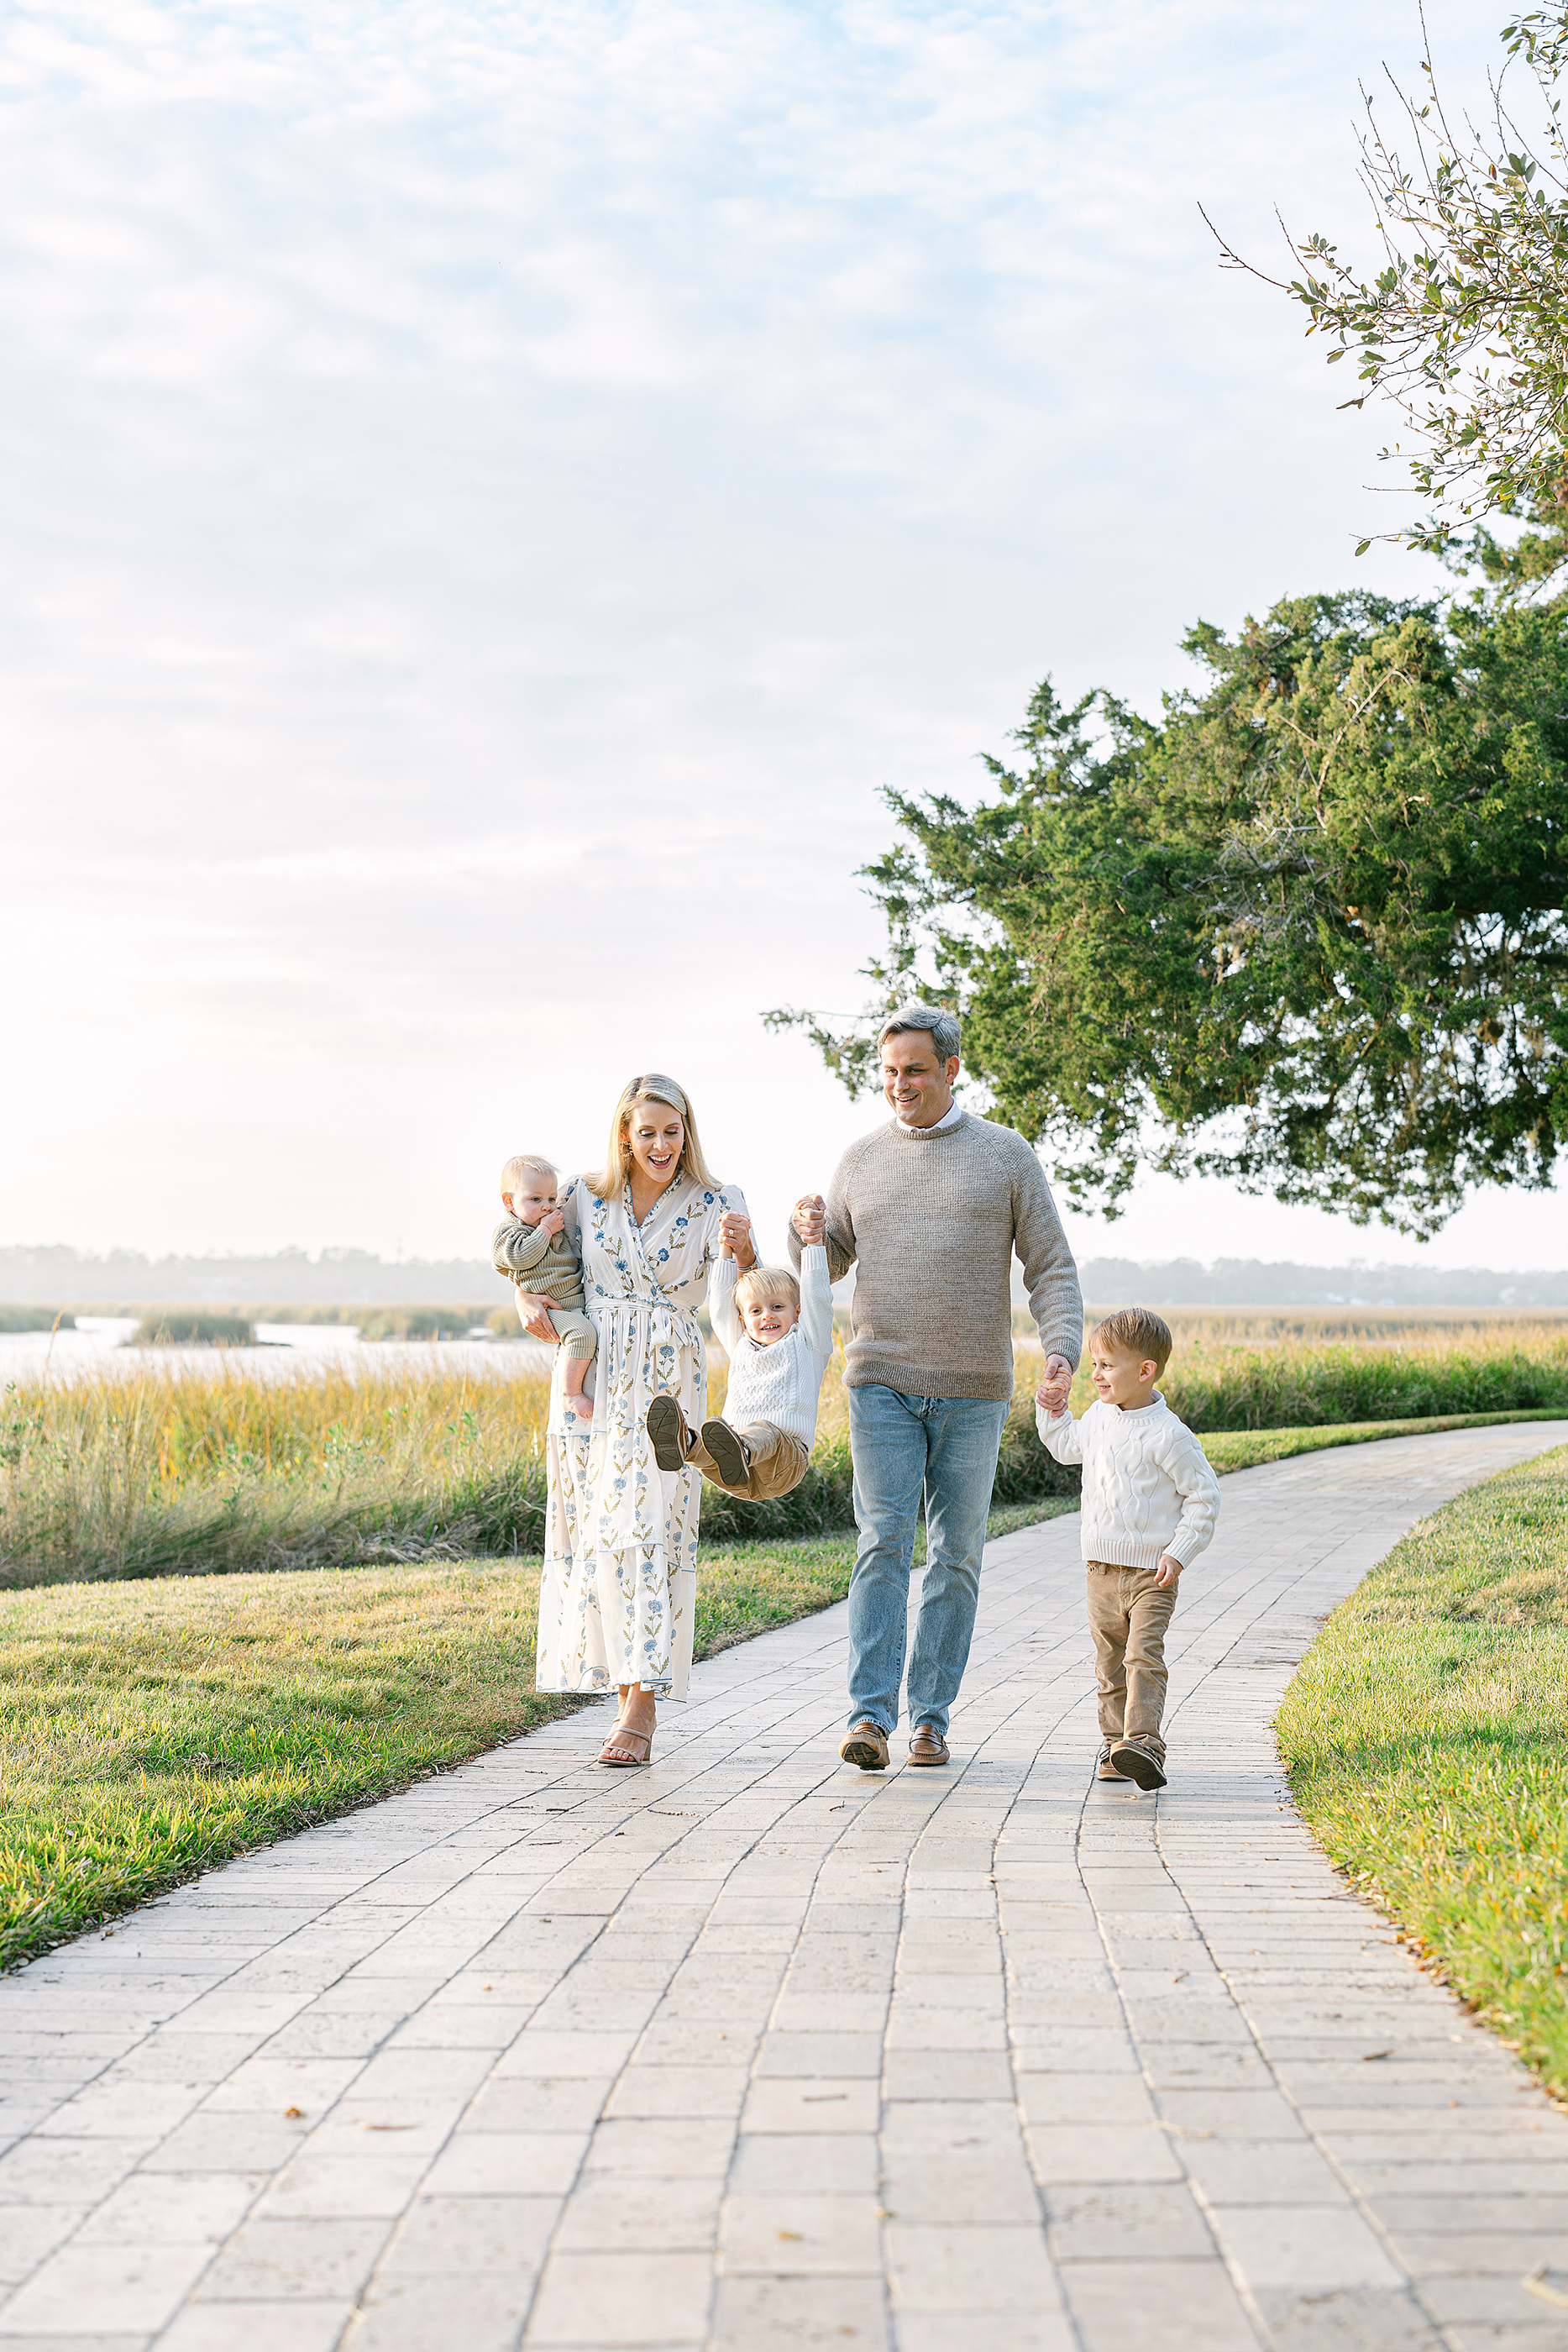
[{"x": 757, "y": 2044}]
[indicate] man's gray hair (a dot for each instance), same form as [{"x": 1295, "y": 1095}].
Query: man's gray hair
[{"x": 943, "y": 1025}]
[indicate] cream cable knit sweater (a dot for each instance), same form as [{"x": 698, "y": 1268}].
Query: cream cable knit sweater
[
  {"x": 780, "y": 1383},
  {"x": 930, "y": 1218},
  {"x": 1147, "y": 1485}
]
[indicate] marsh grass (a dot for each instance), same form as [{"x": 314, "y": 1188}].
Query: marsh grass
[
  {"x": 1423, "y": 1734},
  {"x": 1225, "y": 1376},
  {"x": 194, "y": 1327},
  {"x": 1231, "y": 1326},
  {"x": 164, "y": 1472}
]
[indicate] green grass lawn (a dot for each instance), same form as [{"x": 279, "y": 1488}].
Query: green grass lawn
[
  {"x": 1424, "y": 1737},
  {"x": 1242, "y": 1449},
  {"x": 151, "y": 1729}
]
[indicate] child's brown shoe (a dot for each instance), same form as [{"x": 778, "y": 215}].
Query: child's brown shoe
[
  {"x": 730, "y": 1455},
  {"x": 1135, "y": 1760},
  {"x": 667, "y": 1431},
  {"x": 1105, "y": 1770}
]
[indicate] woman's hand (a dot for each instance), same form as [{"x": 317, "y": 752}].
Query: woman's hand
[
  {"x": 535, "y": 1313},
  {"x": 735, "y": 1233}
]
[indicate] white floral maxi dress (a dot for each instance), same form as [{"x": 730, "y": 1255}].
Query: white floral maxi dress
[{"x": 619, "y": 1590}]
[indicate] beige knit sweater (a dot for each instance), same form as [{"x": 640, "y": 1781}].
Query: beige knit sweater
[{"x": 930, "y": 1219}]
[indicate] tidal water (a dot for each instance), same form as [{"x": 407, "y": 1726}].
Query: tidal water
[{"x": 100, "y": 1349}]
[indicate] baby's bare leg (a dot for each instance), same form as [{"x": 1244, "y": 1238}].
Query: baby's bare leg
[
  {"x": 571, "y": 1380},
  {"x": 579, "y": 1342}
]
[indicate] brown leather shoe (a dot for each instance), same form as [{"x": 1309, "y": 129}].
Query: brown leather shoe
[
  {"x": 1135, "y": 1761},
  {"x": 729, "y": 1454},
  {"x": 926, "y": 1745},
  {"x": 668, "y": 1433},
  {"x": 866, "y": 1746}
]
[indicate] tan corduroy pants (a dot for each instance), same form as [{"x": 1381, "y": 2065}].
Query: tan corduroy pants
[
  {"x": 778, "y": 1461},
  {"x": 1128, "y": 1613}
]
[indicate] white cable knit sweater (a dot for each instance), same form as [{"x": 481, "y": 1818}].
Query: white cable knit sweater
[
  {"x": 1147, "y": 1485},
  {"x": 780, "y": 1383}
]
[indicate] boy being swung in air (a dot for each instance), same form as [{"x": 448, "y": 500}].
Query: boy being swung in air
[
  {"x": 531, "y": 1245},
  {"x": 778, "y": 1336},
  {"x": 1150, "y": 1500}
]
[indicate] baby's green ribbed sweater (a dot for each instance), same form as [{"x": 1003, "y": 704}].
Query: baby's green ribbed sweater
[{"x": 930, "y": 1219}]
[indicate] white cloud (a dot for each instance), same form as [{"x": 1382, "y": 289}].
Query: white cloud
[{"x": 493, "y": 491}]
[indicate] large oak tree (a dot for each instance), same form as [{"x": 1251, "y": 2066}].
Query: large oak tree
[{"x": 1306, "y": 931}]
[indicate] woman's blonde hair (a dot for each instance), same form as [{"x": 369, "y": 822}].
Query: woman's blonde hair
[{"x": 649, "y": 1087}]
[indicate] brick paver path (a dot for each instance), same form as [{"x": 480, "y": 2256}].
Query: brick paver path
[{"x": 753, "y": 2050}]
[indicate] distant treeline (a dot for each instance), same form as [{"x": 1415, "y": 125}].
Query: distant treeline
[
  {"x": 344, "y": 1277},
  {"x": 1258, "y": 1281},
  {"x": 291, "y": 1276}
]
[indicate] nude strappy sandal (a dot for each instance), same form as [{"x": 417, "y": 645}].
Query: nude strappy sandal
[{"x": 620, "y": 1738}]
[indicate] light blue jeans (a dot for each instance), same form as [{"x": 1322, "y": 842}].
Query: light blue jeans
[{"x": 901, "y": 1446}]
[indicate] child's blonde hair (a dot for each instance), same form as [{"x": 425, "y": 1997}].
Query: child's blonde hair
[
  {"x": 1139, "y": 1329},
  {"x": 768, "y": 1277},
  {"x": 649, "y": 1087},
  {"x": 520, "y": 1164}
]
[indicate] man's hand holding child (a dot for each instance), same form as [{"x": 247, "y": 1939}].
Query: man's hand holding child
[
  {"x": 810, "y": 1219},
  {"x": 1052, "y": 1394}
]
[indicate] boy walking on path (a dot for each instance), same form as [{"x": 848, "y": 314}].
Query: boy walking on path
[
  {"x": 929, "y": 1210},
  {"x": 1150, "y": 1501}
]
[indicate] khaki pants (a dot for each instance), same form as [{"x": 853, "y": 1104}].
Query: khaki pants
[
  {"x": 778, "y": 1461},
  {"x": 1128, "y": 1613}
]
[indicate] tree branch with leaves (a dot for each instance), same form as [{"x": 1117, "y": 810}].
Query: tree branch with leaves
[{"x": 1464, "y": 326}]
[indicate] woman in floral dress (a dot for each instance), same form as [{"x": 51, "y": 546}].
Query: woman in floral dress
[{"x": 617, "y": 1600}]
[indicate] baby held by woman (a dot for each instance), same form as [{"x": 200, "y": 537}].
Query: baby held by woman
[
  {"x": 778, "y": 1335},
  {"x": 531, "y": 1245}
]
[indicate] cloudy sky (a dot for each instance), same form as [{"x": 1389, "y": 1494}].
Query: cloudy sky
[{"x": 492, "y": 491}]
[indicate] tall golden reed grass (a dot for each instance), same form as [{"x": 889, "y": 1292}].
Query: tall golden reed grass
[{"x": 162, "y": 1470}]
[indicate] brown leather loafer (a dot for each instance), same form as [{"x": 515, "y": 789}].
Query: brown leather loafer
[
  {"x": 866, "y": 1746},
  {"x": 926, "y": 1745},
  {"x": 668, "y": 1433},
  {"x": 729, "y": 1453}
]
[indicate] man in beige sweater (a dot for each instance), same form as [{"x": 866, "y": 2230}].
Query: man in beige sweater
[{"x": 929, "y": 1210}]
